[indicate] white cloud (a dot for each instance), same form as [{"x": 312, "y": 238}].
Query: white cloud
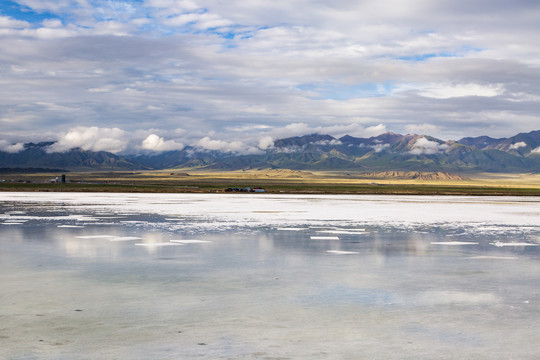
[
  {"x": 518, "y": 145},
  {"x": 220, "y": 145},
  {"x": 156, "y": 143},
  {"x": 250, "y": 128},
  {"x": 115, "y": 28},
  {"x": 7, "y": 23},
  {"x": 266, "y": 143},
  {"x": 328, "y": 142},
  {"x": 104, "y": 89},
  {"x": 422, "y": 129},
  {"x": 10, "y": 147},
  {"x": 297, "y": 129},
  {"x": 448, "y": 91},
  {"x": 536, "y": 150},
  {"x": 52, "y": 23},
  {"x": 374, "y": 130},
  {"x": 92, "y": 138},
  {"x": 428, "y": 147},
  {"x": 173, "y": 6},
  {"x": 200, "y": 21},
  {"x": 380, "y": 147}
]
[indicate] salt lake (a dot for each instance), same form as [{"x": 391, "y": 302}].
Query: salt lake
[{"x": 259, "y": 276}]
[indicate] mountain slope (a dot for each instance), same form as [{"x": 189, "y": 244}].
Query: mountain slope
[
  {"x": 480, "y": 142},
  {"x": 36, "y": 155},
  {"x": 522, "y": 144},
  {"x": 385, "y": 152}
]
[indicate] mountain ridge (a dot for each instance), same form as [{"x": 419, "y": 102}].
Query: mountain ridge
[{"x": 384, "y": 152}]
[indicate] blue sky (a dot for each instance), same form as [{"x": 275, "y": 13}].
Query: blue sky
[
  {"x": 155, "y": 75},
  {"x": 21, "y": 12}
]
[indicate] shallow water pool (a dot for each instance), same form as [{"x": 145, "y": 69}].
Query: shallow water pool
[{"x": 251, "y": 276}]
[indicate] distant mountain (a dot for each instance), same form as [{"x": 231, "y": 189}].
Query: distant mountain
[
  {"x": 480, "y": 142},
  {"x": 383, "y": 153},
  {"x": 392, "y": 152},
  {"x": 299, "y": 141},
  {"x": 36, "y": 156},
  {"x": 188, "y": 157},
  {"x": 522, "y": 144}
]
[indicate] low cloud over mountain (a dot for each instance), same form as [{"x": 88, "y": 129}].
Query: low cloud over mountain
[{"x": 384, "y": 152}]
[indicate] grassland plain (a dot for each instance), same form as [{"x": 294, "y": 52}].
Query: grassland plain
[{"x": 280, "y": 181}]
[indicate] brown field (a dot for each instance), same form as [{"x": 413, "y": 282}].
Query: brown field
[{"x": 280, "y": 181}]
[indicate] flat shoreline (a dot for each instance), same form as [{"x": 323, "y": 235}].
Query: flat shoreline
[
  {"x": 387, "y": 189},
  {"x": 273, "y": 182}
]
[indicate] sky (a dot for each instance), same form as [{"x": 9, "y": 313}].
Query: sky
[{"x": 157, "y": 75}]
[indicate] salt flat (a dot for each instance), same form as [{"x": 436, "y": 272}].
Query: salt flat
[{"x": 261, "y": 277}]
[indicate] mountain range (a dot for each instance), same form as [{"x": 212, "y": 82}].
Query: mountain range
[{"x": 386, "y": 152}]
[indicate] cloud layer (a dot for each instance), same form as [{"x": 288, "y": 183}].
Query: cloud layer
[
  {"x": 237, "y": 72},
  {"x": 156, "y": 143},
  {"x": 428, "y": 147},
  {"x": 11, "y": 148},
  {"x": 91, "y": 138}
]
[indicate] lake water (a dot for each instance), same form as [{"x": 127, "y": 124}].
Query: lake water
[{"x": 254, "y": 276}]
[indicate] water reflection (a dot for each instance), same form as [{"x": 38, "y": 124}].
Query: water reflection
[{"x": 99, "y": 281}]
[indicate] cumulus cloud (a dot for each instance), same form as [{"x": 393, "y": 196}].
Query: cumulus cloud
[
  {"x": 10, "y": 147},
  {"x": 157, "y": 143},
  {"x": 427, "y": 147},
  {"x": 7, "y": 22},
  {"x": 266, "y": 143},
  {"x": 380, "y": 147},
  {"x": 297, "y": 129},
  {"x": 91, "y": 138},
  {"x": 518, "y": 145},
  {"x": 207, "y": 143},
  {"x": 328, "y": 142},
  {"x": 536, "y": 150},
  {"x": 448, "y": 91},
  {"x": 374, "y": 130}
]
